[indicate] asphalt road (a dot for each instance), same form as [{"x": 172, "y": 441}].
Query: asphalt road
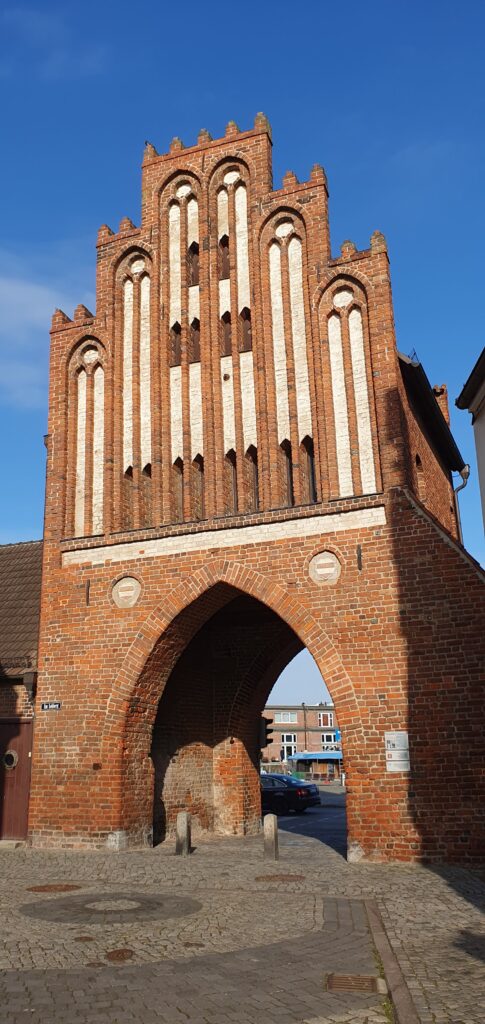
[{"x": 326, "y": 823}]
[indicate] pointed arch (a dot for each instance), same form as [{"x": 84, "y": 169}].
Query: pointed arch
[{"x": 157, "y": 634}]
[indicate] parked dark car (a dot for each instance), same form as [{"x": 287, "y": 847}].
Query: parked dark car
[{"x": 281, "y": 794}]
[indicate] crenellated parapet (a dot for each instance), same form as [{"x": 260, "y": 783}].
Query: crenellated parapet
[{"x": 234, "y": 369}]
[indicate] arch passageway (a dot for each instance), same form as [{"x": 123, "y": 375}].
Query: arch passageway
[{"x": 205, "y": 741}]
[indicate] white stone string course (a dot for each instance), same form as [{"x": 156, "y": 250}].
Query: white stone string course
[
  {"x": 359, "y": 376},
  {"x": 195, "y": 418},
  {"x": 174, "y": 265},
  {"x": 127, "y": 374},
  {"x": 313, "y": 526},
  {"x": 176, "y": 426},
  {"x": 98, "y": 449},
  {"x": 243, "y": 292},
  {"x": 303, "y": 404},
  {"x": 145, "y": 377},
  {"x": 250, "y": 432},
  {"x": 229, "y": 422},
  {"x": 279, "y": 349},
  {"x": 340, "y": 412},
  {"x": 80, "y": 454}
]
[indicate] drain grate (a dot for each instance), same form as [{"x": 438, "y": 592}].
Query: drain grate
[
  {"x": 279, "y": 878},
  {"x": 55, "y": 887},
  {"x": 351, "y": 983},
  {"x": 119, "y": 955}
]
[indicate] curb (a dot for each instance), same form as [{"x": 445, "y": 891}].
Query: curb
[{"x": 404, "y": 1008}]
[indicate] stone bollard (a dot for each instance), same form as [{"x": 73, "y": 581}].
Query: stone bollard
[
  {"x": 182, "y": 834},
  {"x": 270, "y": 829}
]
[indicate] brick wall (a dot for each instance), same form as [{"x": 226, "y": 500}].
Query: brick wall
[{"x": 161, "y": 699}]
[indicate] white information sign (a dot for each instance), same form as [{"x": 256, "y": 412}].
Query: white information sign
[{"x": 397, "y": 751}]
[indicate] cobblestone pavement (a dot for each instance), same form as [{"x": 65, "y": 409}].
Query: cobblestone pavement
[{"x": 219, "y": 937}]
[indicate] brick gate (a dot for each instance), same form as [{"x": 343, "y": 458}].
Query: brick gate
[{"x": 240, "y": 465}]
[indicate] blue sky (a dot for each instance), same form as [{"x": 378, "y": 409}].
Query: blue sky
[{"x": 389, "y": 97}]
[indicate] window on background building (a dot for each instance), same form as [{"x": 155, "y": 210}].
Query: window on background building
[
  {"x": 285, "y": 716},
  {"x": 288, "y": 744},
  {"x": 325, "y": 718},
  {"x": 328, "y": 739}
]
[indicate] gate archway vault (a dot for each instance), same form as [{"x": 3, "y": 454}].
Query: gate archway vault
[{"x": 166, "y": 634}]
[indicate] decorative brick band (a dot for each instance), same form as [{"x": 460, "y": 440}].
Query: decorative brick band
[{"x": 235, "y": 537}]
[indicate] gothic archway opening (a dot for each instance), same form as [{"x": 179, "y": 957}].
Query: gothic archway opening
[{"x": 205, "y": 745}]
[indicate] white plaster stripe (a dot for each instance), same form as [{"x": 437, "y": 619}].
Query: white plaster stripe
[
  {"x": 98, "y": 450},
  {"x": 229, "y": 423},
  {"x": 176, "y": 429},
  {"x": 195, "y": 397},
  {"x": 145, "y": 376},
  {"x": 246, "y": 370},
  {"x": 224, "y": 296},
  {"x": 80, "y": 455},
  {"x": 340, "y": 413},
  {"x": 174, "y": 265},
  {"x": 314, "y": 526},
  {"x": 192, "y": 221},
  {"x": 241, "y": 210},
  {"x": 279, "y": 352},
  {"x": 194, "y": 307},
  {"x": 298, "y": 330},
  {"x": 128, "y": 375},
  {"x": 364, "y": 433},
  {"x": 222, "y": 213}
]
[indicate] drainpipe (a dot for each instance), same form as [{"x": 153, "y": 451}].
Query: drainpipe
[
  {"x": 464, "y": 473},
  {"x": 304, "y": 724}
]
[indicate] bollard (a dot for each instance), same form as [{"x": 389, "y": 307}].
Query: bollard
[
  {"x": 182, "y": 834},
  {"x": 270, "y": 829}
]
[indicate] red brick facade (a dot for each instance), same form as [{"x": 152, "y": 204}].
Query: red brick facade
[{"x": 208, "y": 482}]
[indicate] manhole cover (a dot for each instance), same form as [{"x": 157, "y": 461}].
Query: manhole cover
[
  {"x": 111, "y": 908},
  {"x": 351, "y": 983},
  {"x": 279, "y": 878},
  {"x": 113, "y": 905},
  {"x": 55, "y": 887},
  {"x": 119, "y": 955}
]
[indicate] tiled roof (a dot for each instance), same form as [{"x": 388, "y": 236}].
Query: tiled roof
[{"x": 20, "y": 575}]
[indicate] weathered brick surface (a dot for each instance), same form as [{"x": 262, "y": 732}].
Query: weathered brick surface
[{"x": 152, "y": 699}]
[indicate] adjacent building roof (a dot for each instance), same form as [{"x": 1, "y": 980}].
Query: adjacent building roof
[
  {"x": 471, "y": 394},
  {"x": 424, "y": 404},
  {"x": 20, "y": 577}
]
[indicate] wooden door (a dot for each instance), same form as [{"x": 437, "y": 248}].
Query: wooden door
[{"x": 15, "y": 760}]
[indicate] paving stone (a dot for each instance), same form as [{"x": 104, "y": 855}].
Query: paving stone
[{"x": 246, "y": 950}]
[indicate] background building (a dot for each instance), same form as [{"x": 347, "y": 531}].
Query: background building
[{"x": 300, "y": 728}]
